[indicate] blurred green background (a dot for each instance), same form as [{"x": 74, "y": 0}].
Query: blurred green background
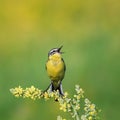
[{"x": 90, "y": 33}]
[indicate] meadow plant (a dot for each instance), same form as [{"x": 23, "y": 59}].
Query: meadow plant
[{"x": 66, "y": 104}]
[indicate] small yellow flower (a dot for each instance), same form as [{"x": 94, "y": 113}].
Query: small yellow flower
[
  {"x": 92, "y": 113},
  {"x": 65, "y": 94},
  {"x": 77, "y": 107},
  {"x": 68, "y": 105},
  {"x": 63, "y": 107},
  {"x": 75, "y": 96},
  {"x": 17, "y": 92},
  {"x": 60, "y": 118},
  {"x": 46, "y": 96},
  {"x": 78, "y": 97},
  {"x": 31, "y": 89},
  {"x": 90, "y": 118},
  {"x": 52, "y": 94},
  {"x": 83, "y": 117},
  {"x": 92, "y": 106},
  {"x": 27, "y": 94},
  {"x": 85, "y": 108}
]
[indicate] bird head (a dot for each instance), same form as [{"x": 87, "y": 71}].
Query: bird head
[{"x": 55, "y": 51}]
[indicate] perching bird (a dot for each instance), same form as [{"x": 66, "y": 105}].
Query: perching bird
[{"x": 55, "y": 67}]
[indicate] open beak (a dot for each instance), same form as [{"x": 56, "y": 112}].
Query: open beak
[{"x": 60, "y": 49}]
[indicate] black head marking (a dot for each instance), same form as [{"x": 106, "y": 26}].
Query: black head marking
[{"x": 54, "y": 50}]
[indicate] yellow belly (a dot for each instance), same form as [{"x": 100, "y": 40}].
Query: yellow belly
[{"x": 55, "y": 70}]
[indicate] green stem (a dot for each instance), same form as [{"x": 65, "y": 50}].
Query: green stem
[
  {"x": 77, "y": 117},
  {"x": 75, "y": 112}
]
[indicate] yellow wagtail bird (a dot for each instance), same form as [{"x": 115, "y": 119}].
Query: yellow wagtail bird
[{"x": 55, "y": 67}]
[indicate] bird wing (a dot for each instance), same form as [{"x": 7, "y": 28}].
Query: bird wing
[{"x": 64, "y": 65}]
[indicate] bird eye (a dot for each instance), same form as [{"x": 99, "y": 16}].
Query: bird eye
[{"x": 53, "y": 51}]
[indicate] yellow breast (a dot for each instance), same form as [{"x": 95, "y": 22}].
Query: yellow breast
[{"x": 55, "y": 68}]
